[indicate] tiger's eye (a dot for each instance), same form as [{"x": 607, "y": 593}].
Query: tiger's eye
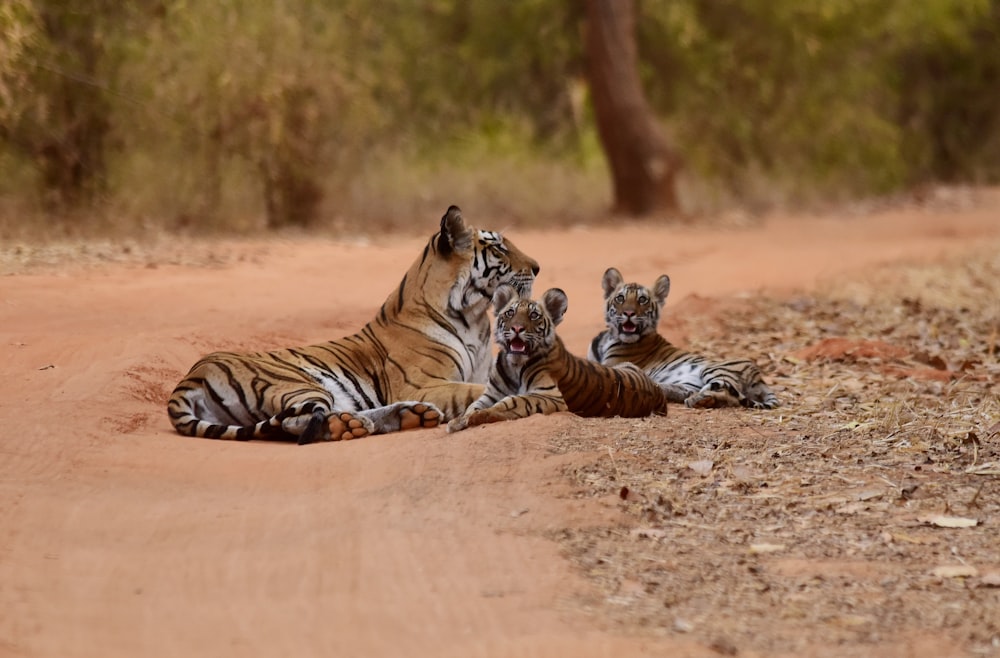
[
  {"x": 643, "y": 299},
  {"x": 535, "y": 315},
  {"x": 509, "y": 313},
  {"x": 620, "y": 299}
]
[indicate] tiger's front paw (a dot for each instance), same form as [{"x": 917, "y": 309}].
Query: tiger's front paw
[{"x": 419, "y": 415}]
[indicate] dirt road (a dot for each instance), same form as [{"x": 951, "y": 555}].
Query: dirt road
[{"x": 120, "y": 538}]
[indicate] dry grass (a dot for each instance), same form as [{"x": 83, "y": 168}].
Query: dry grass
[{"x": 743, "y": 528}]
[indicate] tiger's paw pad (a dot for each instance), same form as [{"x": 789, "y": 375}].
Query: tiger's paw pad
[
  {"x": 419, "y": 415},
  {"x": 345, "y": 426}
]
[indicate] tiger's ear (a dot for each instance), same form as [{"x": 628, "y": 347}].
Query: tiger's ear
[
  {"x": 612, "y": 279},
  {"x": 454, "y": 235},
  {"x": 504, "y": 295},
  {"x": 555, "y": 303},
  {"x": 661, "y": 288}
]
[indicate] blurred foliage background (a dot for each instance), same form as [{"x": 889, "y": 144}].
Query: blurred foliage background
[{"x": 239, "y": 115}]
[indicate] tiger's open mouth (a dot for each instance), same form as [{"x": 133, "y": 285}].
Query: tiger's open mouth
[
  {"x": 629, "y": 327},
  {"x": 516, "y": 345}
]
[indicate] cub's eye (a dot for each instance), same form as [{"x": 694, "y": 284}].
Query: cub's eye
[
  {"x": 620, "y": 299},
  {"x": 535, "y": 315},
  {"x": 509, "y": 313},
  {"x": 643, "y": 299}
]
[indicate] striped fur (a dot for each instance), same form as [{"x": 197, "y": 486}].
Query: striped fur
[
  {"x": 423, "y": 359},
  {"x": 534, "y": 373},
  {"x": 632, "y": 313}
]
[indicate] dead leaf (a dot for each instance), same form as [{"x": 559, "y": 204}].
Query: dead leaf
[
  {"x": 702, "y": 467},
  {"x": 990, "y": 579},
  {"x": 942, "y": 521},
  {"x": 910, "y": 539},
  {"x": 852, "y": 621},
  {"x": 758, "y": 549},
  {"x": 933, "y": 361},
  {"x": 683, "y": 625},
  {"x": 851, "y": 509},
  {"x": 989, "y": 468},
  {"x": 955, "y": 571}
]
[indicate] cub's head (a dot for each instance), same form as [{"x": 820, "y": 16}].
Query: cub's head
[
  {"x": 482, "y": 261},
  {"x": 632, "y": 311},
  {"x": 525, "y": 327}
]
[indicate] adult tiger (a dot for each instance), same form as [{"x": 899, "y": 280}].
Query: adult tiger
[
  {"x": 422, "y": 359},
  {"x": 632, "y": 312},
  {"x": 534, "y": 373}
]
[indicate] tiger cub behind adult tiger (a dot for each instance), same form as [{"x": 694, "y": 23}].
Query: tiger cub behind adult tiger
[
  {"x": 632, "y": 313},
  {"x": 534, "y": 373},
  {"x": 422, "y": 360}
]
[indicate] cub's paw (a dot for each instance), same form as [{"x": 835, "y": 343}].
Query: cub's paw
[
  {"x": 701, "y": 401},
  {"x": 478, "y": 417},
  {"x": 420, "y": 414},
  {"x": 344, "y": 426},
  {"x": 714, "y": 394},
  {"x": 458, "y": 424},
  {"x": 769, "y": 401}
]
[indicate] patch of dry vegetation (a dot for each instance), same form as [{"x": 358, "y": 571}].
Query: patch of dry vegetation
[{"x": 865, "y": 509}]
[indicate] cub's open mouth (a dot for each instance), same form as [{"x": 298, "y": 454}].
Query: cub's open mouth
[
  {"x": 629, "y": 327},
  {"x": 517, "y": 346}
]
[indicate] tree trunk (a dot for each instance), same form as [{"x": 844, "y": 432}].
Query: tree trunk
[{"x": 643, "y": 166}]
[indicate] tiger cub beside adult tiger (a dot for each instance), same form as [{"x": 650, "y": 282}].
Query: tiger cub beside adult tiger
[
  {"x": 423, "y": 359},
  {"x": 534, "y": 373},
  {"x": 632, "y": 313}
]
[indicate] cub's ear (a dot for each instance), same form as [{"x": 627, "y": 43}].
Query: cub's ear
[
  {"x": 661, "y": 288},
  {"x": 504, "y": 295},
  {"x": 612, "y": 279},
  {"x": 455, "y": 236},
  {"x": 555, "y": 303}
]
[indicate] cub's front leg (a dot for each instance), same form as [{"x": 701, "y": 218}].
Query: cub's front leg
[
  {"x": 451, "y": 398},
  {"x": 510, "y": 407}
]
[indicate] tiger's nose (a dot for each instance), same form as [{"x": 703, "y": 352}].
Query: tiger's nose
[
  {"x": 629, "y": 314},
  {"x": 517, "y": 328},
  {"x": 535, "y": 269}
]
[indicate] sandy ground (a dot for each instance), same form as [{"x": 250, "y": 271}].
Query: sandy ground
[{"x": 119, "y": 537}]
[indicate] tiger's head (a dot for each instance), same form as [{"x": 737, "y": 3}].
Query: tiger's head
[
  {"x": 481, "y": 261},
  {"x": 632, "y": 311},
  {"x": 526, "y": 328}
]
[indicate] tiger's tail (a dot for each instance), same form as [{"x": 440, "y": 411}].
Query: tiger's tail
[{"x": 187, "y": 423}]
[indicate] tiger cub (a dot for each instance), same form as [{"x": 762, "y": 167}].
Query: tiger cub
[
  {"x": 535, "y": 374},
  {"x": 632, "y": 313}
]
